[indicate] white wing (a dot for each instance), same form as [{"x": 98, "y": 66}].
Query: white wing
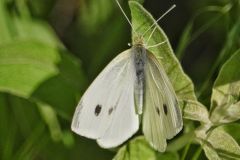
[
  {"x": 162, "y": 116},
  {"x": 106, "y": 110}
]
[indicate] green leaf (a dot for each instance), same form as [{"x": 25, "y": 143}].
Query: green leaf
[
  {"x": 221, "y": 143},
  {"x": 139, "y": 149},
  {"x": 225, "y": 100},
  {"x": 194, "y": 110},
  {"x": 31, "y": 69},
  {"x": 24, "y": 65},
  {"x": 35, "y": 30},
  {"x": 141, "y": 21}
]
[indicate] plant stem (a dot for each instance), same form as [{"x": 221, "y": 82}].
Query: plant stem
[
  {"x": 197, "y": 153},
  {"x": 185, "y": 151}
]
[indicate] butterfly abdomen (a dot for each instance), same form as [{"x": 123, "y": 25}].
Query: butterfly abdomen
[{"x": 139, "y": 54}]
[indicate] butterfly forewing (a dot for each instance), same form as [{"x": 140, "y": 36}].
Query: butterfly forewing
[
  {"x": 162, "y": 117},
  {"x": 108, "y": 104},
  {"x": 125, "y": 120}
]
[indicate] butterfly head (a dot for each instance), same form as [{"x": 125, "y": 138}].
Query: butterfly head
[{"x": 138, "y": 40}]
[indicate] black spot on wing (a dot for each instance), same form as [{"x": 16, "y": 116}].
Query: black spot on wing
[
  {"x": 98, "y": 109},
  {"x": 165, "y": 109},
  {"x": 158, "y": 111},
  {"x": 110, "y": 111}
]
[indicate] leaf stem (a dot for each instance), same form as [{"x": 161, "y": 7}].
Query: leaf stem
[
  {"x": 197, "y": 153},
  {"x": 185, "y": 151}
]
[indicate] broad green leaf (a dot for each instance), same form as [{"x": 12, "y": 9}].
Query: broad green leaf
[
  {"x": 25, "y": 65},
  {"x": 35, "y": 30},
  {"x": 139, "y": 149},
  {"x": 141, "y": 21},
  {"x": 195, "y": 111},
  {"x": 226, "y": 92},
  {"x": 223, "y": 144},
  {"x": 30, "y": 69}
]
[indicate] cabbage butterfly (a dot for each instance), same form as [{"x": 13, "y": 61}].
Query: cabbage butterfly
[{"x": 133, "y": 84}]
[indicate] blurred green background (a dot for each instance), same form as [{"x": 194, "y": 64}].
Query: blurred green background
[{"x": 51, "y": 50}]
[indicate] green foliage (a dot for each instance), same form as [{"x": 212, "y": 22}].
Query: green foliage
[
  {"x": 226, "y": 92},
  {"x": 142, "y": 20},
  {"x": 216, "y": 143},
  {"x": 26, "y": 64},
  {"x": 41, "y": 80},
  {"x": 139, "y": 149}
]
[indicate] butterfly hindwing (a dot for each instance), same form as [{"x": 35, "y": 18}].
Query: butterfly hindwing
[
  {"x": 162, "y": 116},
  {"x": 106, "y": 109}
]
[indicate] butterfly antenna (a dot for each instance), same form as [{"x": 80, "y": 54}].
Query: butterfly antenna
[
  {"x": 125, "y": 16},
  {"x": 156, "y": 22}
]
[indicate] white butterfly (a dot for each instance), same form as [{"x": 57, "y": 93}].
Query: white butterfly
[{"x": 133, "y": 84}]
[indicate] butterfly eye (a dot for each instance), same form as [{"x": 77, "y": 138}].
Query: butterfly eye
[
  {"x": 165, "y": 109},
  {"x": 98, "y": 109}
]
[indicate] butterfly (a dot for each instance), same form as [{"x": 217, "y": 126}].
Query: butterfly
[{"x": 132, "y": 88}]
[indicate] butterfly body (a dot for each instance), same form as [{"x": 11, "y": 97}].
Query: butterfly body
[{"x": 140, "y": 58}]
